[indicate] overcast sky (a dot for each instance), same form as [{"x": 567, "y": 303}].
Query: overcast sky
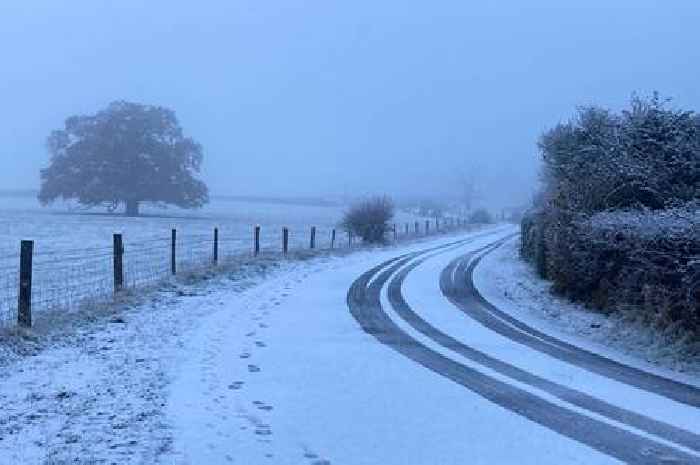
[{"x": 308, "y": 97}]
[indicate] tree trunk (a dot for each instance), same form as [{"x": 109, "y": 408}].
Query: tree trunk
[{"x": 132, "y": 208}]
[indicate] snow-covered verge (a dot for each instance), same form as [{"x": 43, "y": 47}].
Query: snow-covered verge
[
  {"x": 95, "y": 392},
  {"x": 512, "y": 285}
]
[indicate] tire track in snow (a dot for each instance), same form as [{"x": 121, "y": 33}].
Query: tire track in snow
[
  {"x": 365, "y": 305},
  {"x": 458, "y": 286},
  {"x": 572, "y": 396}
]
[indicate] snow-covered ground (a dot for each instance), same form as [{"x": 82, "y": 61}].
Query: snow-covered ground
[
  {"x": 96, "y": 393},
  {"x": 512, "y": 285},
  {"x": 268, "y": 365},
  {"x": 62, "y": 227},
  {"x": 102, "y": 391}
]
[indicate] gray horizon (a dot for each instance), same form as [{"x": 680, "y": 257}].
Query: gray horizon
[{"x": 316, "y": 98}]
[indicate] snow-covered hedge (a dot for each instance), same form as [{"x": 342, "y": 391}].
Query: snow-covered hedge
[
  {"x": 616, "y": 223},
  {"x": 645, "y": 263}
]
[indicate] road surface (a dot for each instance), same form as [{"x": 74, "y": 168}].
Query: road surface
[{"x": 394, "y": 357}]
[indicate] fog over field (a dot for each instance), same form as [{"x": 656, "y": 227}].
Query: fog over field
[
  {"x": 349, "y": 232},
  {"x": 318, "y": 98}
]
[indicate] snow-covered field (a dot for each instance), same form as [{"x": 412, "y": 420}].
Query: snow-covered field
[
  {"x": 60, "y": 228},
  {"x": 73, "y": 248}
]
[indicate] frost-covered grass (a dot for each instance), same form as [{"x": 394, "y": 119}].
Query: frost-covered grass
[{"x": 63, "y": 228}]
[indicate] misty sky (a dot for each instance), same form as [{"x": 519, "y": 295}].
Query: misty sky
[{"x": 333, "y": 97}]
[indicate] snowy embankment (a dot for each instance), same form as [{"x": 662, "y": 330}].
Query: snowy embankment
[
  {"x": 95, "y": 393},
  {"x": 512, "y": 285}
]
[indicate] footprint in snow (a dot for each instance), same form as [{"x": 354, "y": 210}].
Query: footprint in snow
[
  {"x": 262, "y": 406},
  {"x": 253, "y": 368},
  {"x": 260, "y": 344},
  {"x": 244, "y": 355},
  {"x": 236, "y": 385},
  {"x": 263, "y": 430}
]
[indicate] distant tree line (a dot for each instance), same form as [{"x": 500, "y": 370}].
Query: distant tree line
[{"x": 617, "y": 222}]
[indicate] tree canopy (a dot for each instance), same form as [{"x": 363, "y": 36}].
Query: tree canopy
[{"x": 125, "y": 154}]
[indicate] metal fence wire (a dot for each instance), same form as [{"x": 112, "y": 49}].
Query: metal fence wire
[{"x": 65, "y": 280}]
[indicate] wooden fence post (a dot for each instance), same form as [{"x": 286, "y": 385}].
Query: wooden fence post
[
  {"x": 406, "y": 229},
  {"x": 427, "y": 227},
  {"x": 437, "y": 225},
  {"x": 396, "y": 236},
  {"x": 24, "y": 308},
  {"x": 349, "y": 240},
  {"x": 333, "y": 239},
  {"x": 417, "y": 228},
  {"x": 256, "y": 245},
  {"x": 285, "y": 240},
  {"x": 216, "y": 246},
  {"x": 173, "y": 252},
  {"x": 118, "y": 253},
  {"x": 312, "y": 242}
]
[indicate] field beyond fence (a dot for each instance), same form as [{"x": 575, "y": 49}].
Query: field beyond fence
[{"x": 34, "y": 283}]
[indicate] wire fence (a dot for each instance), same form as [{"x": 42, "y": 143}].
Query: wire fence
[{"x": 65, "y": 280}]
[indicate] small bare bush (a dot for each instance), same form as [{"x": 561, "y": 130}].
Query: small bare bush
[
  {"x": 481, "y": 216},
  {"x": 369, "y": 219}
]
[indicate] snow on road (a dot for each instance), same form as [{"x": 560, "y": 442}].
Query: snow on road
[
  {"x": 300, "y": 383},
  {"x": 422, "y": 292},
  {"x": 282, "y": 373}
]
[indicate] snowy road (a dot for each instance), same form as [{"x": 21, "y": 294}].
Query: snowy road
[{"x": 394, "y": 358}]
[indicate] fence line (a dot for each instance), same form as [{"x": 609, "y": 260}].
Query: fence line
[{"x": 60, "y": 281}]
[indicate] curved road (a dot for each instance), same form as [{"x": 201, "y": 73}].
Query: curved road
[
  {"x": 619, "y": 432},
  {"x": 392, "y": 356}
]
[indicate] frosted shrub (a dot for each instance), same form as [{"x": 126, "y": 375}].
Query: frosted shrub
[
  {"x": 369, "y": 219},
  {"x": 481, "y": 216}
]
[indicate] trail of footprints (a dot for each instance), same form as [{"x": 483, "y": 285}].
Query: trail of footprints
[{"x": 256, "y": 423}]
